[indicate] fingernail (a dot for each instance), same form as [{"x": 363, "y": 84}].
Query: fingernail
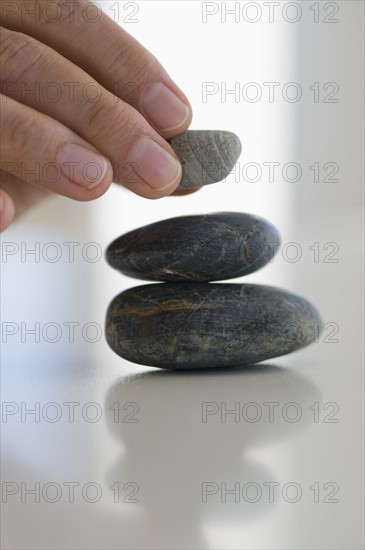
[
  {"x": 154, "y": 165},
  {"x": 81, "y": 165},
  {"x": 164, "y": 109}
]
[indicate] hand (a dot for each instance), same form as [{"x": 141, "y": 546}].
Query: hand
[{"x": 82, "y": 104}]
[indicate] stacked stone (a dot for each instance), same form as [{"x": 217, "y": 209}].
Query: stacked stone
[{"x": 187, "y": 321}]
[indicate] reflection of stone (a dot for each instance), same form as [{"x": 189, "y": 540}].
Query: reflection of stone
[
  {"x": 206, "y": 156},
  {"x": 209, "y": 247},
  {"x": 202, "y": 325},
  {"x": 171, "y": 451}
]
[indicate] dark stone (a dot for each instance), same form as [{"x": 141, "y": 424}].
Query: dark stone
[
  {"x": 206, "y": 156},
  {"x": 209, "y": 247},
  {"x": 203, "y": 325}
]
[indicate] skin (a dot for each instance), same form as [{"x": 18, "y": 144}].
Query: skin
[{"x": 38, "y": 129}]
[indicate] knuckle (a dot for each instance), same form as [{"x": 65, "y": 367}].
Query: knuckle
[
  {"x": 100, "y": 120},
  {"x": 19, "y": 54},
  {"x": 19, "y": 133},
  {"x": 44, "y": 12},
  {"x": 66, "y": 13},
  {"x": 147, "y": 67},
  {"x": 113, "y": 123},
  {"x": 133, "y": 60}
]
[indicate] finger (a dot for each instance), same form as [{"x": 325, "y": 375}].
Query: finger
[
  {"x": 23, "y": 195},
  {"x": 6, "y": 210},
  {"x": 51, "y": 155},
  {"x": 41, "y": 78},
  {"x": 84, "y": 34},
  {"x": 182, "y": 192}
]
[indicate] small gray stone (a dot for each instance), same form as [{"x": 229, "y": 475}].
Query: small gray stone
[
  {"x": 206, "y": 156},
  {"x": 204, "y": 325},
  {"x": 209, "y": 247}
]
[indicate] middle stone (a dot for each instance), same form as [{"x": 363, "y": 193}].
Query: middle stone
[{"x": 209, "y": 247}]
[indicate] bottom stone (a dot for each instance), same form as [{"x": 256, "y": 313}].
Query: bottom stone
[{"x": 205, "y": 325}]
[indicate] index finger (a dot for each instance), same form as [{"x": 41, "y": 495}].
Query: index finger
[{"x": 84, "y": 34}]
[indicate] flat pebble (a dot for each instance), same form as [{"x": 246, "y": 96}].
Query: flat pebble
[
  {"x": 209, "y": 247},
  {"x": 206, "y": 156},
  {"x": 204, "y": 325}
]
